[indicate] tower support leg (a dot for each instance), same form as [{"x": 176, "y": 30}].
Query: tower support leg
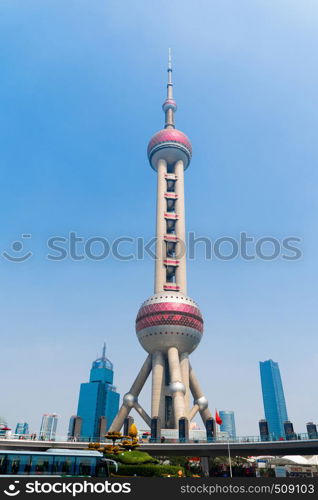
[
  {"x": 199, "y": 398},
  {"x": 176, "y": 385},
  {"x": 194, "y": 410},
  {"x": 139, "y": 409},
  {"x": 131, "y": 398},
  {"x": 118, "y": 422}
]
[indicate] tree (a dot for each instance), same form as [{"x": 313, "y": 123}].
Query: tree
[{"x": 133, "y": 432}]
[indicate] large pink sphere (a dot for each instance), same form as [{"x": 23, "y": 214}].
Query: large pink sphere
[
  {"x": 171, "y": 145},
  {"x": 169, "y": 319}
]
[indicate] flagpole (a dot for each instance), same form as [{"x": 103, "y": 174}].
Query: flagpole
[
  {"x": 230, "y": 461},
  {"x": 216, "y": 426}
]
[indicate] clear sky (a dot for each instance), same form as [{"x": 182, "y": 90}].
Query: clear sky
[{"x": 81, "y": 89}]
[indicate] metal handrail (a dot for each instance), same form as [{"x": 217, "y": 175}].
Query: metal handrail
[{"x": 220, "y": 440}]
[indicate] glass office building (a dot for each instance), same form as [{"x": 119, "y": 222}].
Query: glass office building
[
  {"x": 273, "y": 398},
  {"x": 228, "y": 423},
  {"x": 98, "y": 400},
  {"x": 312, "y": 430},
  {"x": 48, "y": 426},
  {"x": 22, "y": 428}
]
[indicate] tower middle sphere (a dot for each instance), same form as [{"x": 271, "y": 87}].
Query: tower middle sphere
[
  {"x": 169, "y": 320},
  {"x": 171, "y": 145}
]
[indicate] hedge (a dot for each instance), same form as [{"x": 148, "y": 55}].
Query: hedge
[
  {"x": 133, "y": 458},
  {"x": 148, "y": 470}
]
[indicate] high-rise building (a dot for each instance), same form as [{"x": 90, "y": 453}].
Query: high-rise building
[
  {"x": 48, "y": 426},
  {"x": 289, "y": 430},
  {"x": 22, "y": 428},
  {"x": 98, "y": 400},
  {"x": 263, "y": 430},
  {"x": 312, "y": 430},
  {"x": 228, "y": 423},
  {"x": 4, "y": 429},
  {"x": 70, "y": 432},
  {"x": 74, "y": 427},
  {"x": 169, "y": 324},
  {"x": 273, "y": 398},
  {"x": 3, "y": 421}
]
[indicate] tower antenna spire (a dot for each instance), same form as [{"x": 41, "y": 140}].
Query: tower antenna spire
[
  {"x": 104, "y": 351},
  {"x": 169, "y": 106}
]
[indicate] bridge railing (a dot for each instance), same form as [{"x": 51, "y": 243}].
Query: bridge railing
[{"x": 217, "y": 439}]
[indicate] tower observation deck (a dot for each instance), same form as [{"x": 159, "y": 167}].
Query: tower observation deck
[{"x": 169, "y": 324}]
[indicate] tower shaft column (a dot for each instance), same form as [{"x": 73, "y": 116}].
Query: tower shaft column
[
  {"x": 158, "y": 379},
  {"x": 176, "y": 385},
  {"x": 181, "y": 274},
  {"x": 160, "y": 270}
]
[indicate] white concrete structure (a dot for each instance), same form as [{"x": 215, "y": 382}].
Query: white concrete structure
[{"x": 169, "y": 324}]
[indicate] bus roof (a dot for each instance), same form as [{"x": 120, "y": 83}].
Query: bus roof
[{"x": 54, "y": 451}]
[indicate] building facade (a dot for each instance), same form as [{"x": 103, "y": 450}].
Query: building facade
[
  {"x": 48, "y": 426},
  {"x": 98, "y": 400},
  {"x": 228, "y": 423},
  {"x": 22, "y": 428},
  {"x": 273, "y": 398}
]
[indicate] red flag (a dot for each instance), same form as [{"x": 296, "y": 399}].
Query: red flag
[{"x": 218, "y": 418}]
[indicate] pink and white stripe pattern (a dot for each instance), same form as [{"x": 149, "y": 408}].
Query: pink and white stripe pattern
[
  {"x": 164, "y": 314},
  {"x": 170, "y": 135}
]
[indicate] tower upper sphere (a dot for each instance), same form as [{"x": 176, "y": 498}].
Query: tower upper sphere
[{"x": 171, "y": 145}]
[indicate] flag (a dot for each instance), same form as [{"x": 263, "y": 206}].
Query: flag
[{"x": 218, "y": 418}]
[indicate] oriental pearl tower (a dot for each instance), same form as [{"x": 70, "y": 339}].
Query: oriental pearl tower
[{"x": 169, "y": 324}]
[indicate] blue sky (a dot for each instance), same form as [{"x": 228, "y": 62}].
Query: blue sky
[{"x": 80, "y": 96}]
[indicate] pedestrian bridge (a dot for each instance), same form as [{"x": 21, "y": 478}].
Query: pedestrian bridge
[{"x": 199, "y": 449}]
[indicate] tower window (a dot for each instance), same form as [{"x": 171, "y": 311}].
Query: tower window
[
  {"x": 170, "y": 274},
  {"x": 171, "y": 185},
  {"x": 171, "y": 226},
  {"x": 171, "y": 205},
  {"x": 171, "y": 248}
]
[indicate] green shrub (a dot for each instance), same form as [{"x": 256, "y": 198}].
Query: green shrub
[
  {"x": 148, "y": 470},
  {"x": 133, "y": 458},
  {"x": 136, "y": 458}
]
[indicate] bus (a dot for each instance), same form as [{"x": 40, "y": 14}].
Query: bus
[{"x": 54, "y": 462}]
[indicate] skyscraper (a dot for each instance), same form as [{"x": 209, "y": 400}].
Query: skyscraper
[
  {"x": 263, "y": 429},
  {"x": 48, "y": 426},
  {"x": 273, "y": 398},
  {"x": 4, "y": 429},
  {"x": 3, "y": 421},
  {"x": 289, "y": 430},
  {"x": 312, "y": 430},
  {"x": 98, "y": 400},
  {"x": 228, "y": 423},
  {"x": 22, "y": 428},
  {"x": 169, "y": 324}
]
